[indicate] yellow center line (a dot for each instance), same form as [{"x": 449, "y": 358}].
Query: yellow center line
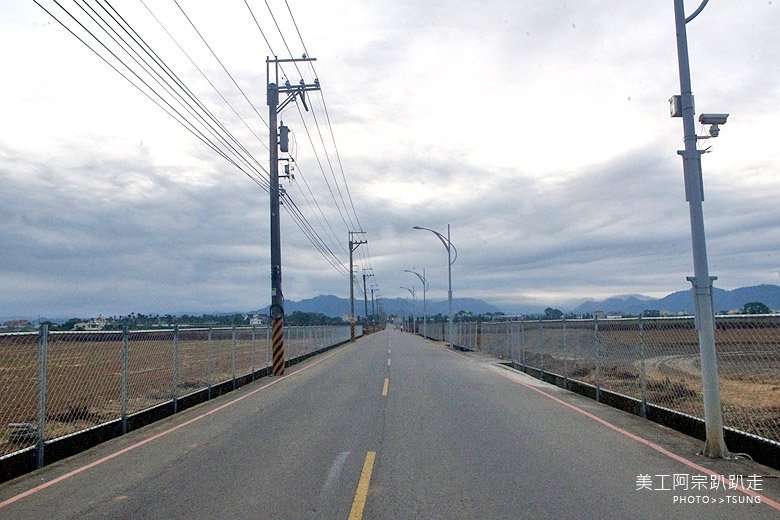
[
  {"x": 386, "y": 387},
  {"x": 388, "y": 361},
  {"x": 362, "y": 489}
]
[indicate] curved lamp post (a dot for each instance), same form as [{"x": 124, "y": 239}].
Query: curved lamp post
[
  {"x": 425, "y": 289},
  {"x": 414, "y": 306},
  {"x": 450, "y": 260}
]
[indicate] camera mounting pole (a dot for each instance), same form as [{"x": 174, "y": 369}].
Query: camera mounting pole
[
  {"x": 715, "y": 445},
  {"x": 274, "y": 108}
]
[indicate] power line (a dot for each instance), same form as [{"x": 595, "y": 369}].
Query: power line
[
  {"x": 171, "y": 110},
  {"x": 149, "y": 73},
  {"x": 178, "y": 83},
  {"x": 327, "y": 115},
  {"x": 365, "y": 254},
  {"x": 220, "y": 62},
  {"x": 203, "y": 74}
]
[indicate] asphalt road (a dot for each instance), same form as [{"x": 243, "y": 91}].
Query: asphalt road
[{"x": 395, "y": 427}]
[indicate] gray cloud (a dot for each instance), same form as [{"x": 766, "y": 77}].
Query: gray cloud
[{"x": 538, "y": 130}]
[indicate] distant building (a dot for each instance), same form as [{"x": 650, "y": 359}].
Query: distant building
[
  {"x": 17, "y": 324},
  {"x": 94, "y": 324},
  {"x": 257, "y": 320}
]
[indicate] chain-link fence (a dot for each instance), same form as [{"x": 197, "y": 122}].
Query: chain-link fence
[
  {"x": 654, "y": 360},
  {"x": 56, "y": 383}
]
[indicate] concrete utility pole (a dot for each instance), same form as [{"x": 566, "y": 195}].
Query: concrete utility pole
[
  {"x": 365, "y": 294},
  {"x": 353, "y": 245},
  {"x": 277, "y": 141},
  {"x": 715, "y": 445}
]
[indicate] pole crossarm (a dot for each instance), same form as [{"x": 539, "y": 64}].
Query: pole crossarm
[
  {"x": 291, "y": 90},
  {"x": 353, "y": 244},
  {"x": 294, "y": 91}
]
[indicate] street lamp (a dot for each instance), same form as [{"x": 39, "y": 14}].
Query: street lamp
[
  {"x": 682, "y": 106},
  {"x": 448, "y": 245},
  {"x": 414, "y": 307},
  {"x": 425, "y": 289}
]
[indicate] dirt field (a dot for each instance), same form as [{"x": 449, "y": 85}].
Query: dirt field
[
  {"x": 612, "y": 357},
  {"x": 83, "y": 383}
]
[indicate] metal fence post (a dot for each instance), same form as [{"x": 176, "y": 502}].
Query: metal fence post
[
  {"x": 43, "y": 347},
  {"x": 511, "y": 333},
  {"x": 252, "y": 351},
  {"x": 209, "y": 363},
  {"x": 175, "y": 378},
  {"x": 522, "y": 344},
  {"x": 478, "y": 340},
  {"x": 233, "y": 356},
  {"x": 123, "y": 379},
  {"x": 565, "y": 368},
  {"x": 642, "y": 373},
  {"x": 541, "y": 356},
  {"x": 598, "y": 357}
]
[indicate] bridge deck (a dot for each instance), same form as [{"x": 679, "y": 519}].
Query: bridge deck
[{"x": 395, "y": 426}]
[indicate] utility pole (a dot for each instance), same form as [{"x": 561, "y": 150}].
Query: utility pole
[
  {"x": 353, "y": 245},
  {"x": 715, "y": 445},
  {"x": 278, "y": 141},
  {"x": 365, "y": 294}
]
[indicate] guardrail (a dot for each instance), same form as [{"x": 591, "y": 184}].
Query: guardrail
[
  {"x": 56, "y": 384},
  {"x": 653, "y": 360}
]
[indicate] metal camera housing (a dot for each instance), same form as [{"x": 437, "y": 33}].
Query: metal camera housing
[{"x": 713, "y": 119}]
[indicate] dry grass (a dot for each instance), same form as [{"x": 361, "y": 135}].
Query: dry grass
[
  {"x": 84, "y": 381},
  {"x": 748, "y": 361}
]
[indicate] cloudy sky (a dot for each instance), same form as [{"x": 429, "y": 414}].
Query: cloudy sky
[{"x": 539, "y": 131}]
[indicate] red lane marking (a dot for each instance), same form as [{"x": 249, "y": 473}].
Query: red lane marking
[
  {"x": 764, "y": 499},
  {"x": 154, "y": 437}
]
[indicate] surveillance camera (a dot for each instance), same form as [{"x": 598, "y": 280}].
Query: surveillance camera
[
  {"x": 713, "y": 119},
  {"x": 714, "y": 131}
]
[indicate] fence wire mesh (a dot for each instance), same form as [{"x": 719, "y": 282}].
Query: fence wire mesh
[
  {"x": 62, "y": 382},
  {"x": 150, "y": 369},
  {"x": 655, "y": 360},
  {"x": 19, "y": 395},
  {"x": 83, "y": 381}
]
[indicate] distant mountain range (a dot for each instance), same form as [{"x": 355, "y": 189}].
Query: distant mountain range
[
  {"x": 682, "y": 301},
  {"x": 635, "y": 304},
  {"x": 334, "y": 306},
  {"x": 677, "y": 302}
]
